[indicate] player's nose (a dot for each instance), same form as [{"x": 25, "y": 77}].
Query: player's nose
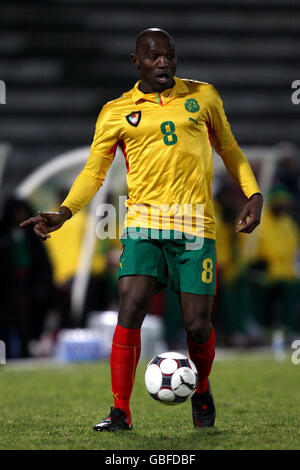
[{"x": 163, "y": 62}]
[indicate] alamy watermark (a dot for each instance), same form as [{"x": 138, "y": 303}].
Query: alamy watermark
[
  {"x": 2, "y": 92},
  {"x": 2, "y": 352},
  {"x": 177, "y": 221},
  {"x": 296, "y": 354},
  {"x": 296, "y": 94}
]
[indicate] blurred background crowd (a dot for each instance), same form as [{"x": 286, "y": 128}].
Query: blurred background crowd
[{"x": 61, "y": 61}]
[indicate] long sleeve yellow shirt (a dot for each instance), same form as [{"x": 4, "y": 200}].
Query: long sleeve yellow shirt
[{"x": 167, "y": 140}]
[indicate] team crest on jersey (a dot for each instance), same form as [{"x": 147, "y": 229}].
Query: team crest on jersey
[
  {"x": 134, "y": 118},
  {"x": 192, "y": 105}
]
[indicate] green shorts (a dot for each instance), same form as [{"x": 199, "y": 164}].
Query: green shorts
[{"x": 190, "y": 262}]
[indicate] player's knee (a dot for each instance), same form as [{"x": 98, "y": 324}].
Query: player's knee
[
  {"x": 199, "y": 329},
  {"x": 132, "y": 309}
]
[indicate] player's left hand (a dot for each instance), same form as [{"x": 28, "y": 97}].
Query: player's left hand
[{"x": 250, "y": 217}]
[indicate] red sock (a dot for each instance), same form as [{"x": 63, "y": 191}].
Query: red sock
[
  {"x": 125, "y": 354},
  {"x": 202, "y": 355}
]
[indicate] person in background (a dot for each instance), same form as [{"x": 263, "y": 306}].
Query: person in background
[
  {"x": 234, "y": 326},
  {"x": 287, "y": 174},
  {"x": 102, "y": 285},
  {"x": 25, "y": 278},
  {"x": 278, "y": 247}
]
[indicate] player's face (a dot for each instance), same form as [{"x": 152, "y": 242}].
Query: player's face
[{"x": 156, "y": 62}]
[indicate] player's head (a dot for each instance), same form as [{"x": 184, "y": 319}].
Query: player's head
[
  {"x": 155, "y": 59},
  {"x": 280, "y": 200}
]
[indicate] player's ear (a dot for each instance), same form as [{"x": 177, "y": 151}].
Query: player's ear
[{"x": 135, "y": 60}]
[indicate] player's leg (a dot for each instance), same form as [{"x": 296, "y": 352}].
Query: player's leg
[
  {"x": 197, "y": 311},
  {"x": 141, "y": 268},
  {"x": 195, "y": 265},
  {"x": 136, "y": 293}
]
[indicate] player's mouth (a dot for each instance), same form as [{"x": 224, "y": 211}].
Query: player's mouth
[{"x": 163, "y": 77}]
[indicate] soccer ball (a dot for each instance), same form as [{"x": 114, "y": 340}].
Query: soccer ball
[{"x": 171, "y": 378}]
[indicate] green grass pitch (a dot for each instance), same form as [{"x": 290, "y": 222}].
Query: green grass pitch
[{"x": 257, "y": 401}]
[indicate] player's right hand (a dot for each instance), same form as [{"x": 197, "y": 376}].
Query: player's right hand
[{"x": 44, "y": 223}]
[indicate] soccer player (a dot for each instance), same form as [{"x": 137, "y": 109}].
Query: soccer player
[{"x": 165, "y": 126}]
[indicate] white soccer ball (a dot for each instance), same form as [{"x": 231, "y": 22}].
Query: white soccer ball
[{"x": 171, "y": 378}]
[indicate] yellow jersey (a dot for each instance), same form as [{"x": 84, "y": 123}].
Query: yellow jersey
[{"x": 166, "y": 139}]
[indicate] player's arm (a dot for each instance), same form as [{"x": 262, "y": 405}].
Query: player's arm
[
  {"x": 235, "y": 162},
  {"x": 89, "y": 180}
]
